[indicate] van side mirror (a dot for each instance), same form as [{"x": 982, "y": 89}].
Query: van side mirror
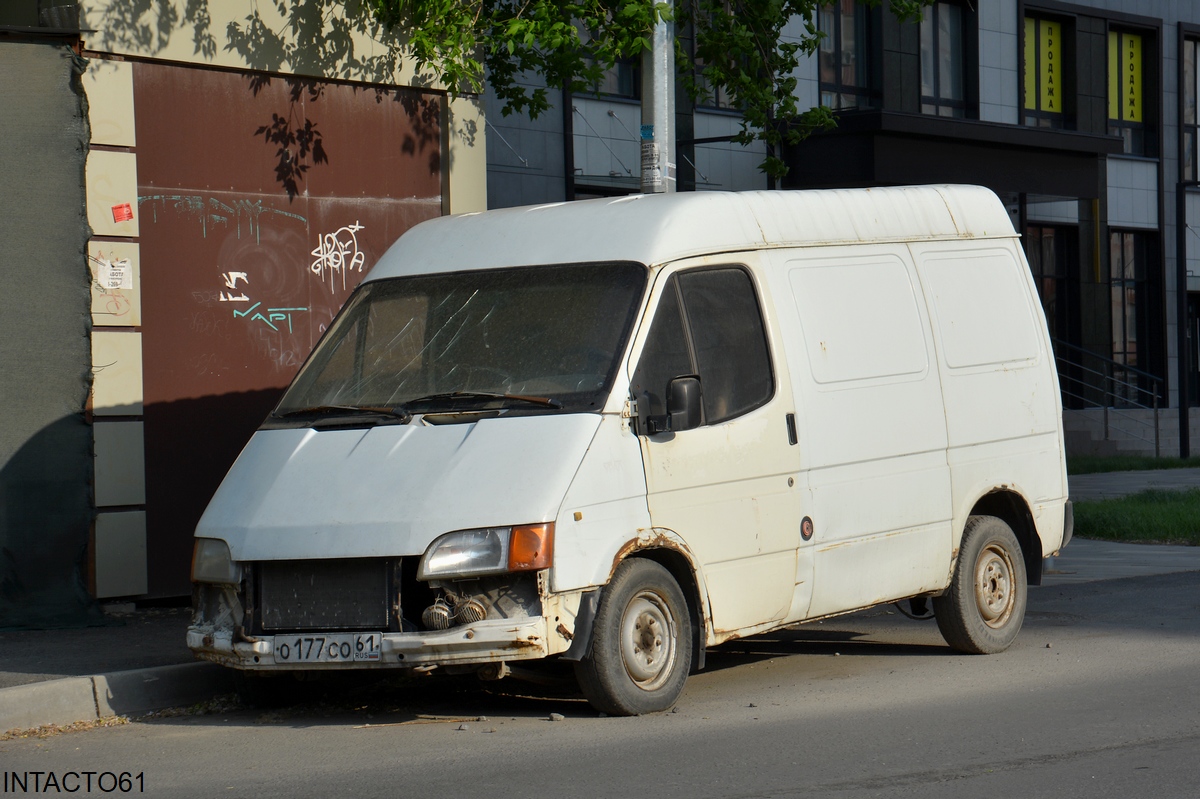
[{"x": 683, "y": 403}]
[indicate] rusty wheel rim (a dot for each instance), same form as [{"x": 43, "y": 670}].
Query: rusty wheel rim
[
  {"x": 648, "y": 640},
  {"x": 994, "y": 595}
]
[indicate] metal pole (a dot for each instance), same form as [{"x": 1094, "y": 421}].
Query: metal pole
[
  {"x": 1157, "y": 443},
  {"x": 568, "y": 120},
  {"x": 1181, "y": 316},
  {"x": 658, "y": 111}
]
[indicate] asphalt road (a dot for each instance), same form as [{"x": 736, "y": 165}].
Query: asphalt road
[{"x": 1100, "y": 697}]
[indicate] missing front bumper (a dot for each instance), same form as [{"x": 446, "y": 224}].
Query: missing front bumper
[{"x": 488, "y": 641}]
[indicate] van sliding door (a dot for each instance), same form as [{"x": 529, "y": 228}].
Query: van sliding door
[{"x": 871, "y": 422}]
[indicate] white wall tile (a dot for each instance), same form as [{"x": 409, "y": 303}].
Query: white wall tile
[
  {"x": 120, "y": 463},
  {"x": 116, "y": 373}
]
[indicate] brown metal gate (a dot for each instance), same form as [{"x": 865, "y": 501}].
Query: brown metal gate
[{"x": 263, "y": 201}]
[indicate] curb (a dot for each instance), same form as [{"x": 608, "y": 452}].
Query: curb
[{"x": 72, "y": 699}]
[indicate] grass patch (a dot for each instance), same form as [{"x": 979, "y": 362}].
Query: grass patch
[
  {"x": 1095, "y": 464},
  {"x": 1151, "y": 517}
]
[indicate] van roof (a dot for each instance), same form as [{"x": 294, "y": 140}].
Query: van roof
[{"x": 658, "y": 228}]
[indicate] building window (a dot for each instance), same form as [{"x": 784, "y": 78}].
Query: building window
[
  {"x": 708, "y": 96},
  {"x": 1048, "y": 250},
  {"x": 845, "y": 55},
  {"x": 1128, "y": 256},
  {"x": 1191, "y": 123},
  {"x": 1126, "y": 94},
  {"x": 1044, "y": 73},
  {"x": 943, "y": 89},
  {"x": 622, "y": 80}
]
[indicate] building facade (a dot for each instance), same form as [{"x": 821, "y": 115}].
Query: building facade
[{"x": 1081, "y": 116}]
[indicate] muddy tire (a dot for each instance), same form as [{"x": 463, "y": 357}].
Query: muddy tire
[
  {"x": 984, "y": 608},
  {"x": 642, "y": 643}
]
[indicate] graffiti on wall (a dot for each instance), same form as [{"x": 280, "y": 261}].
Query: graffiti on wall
[
  {"x": 245, "y": 216},
  {"x": 271, "y": 317},
  {"x": 337, "y": 253},
  {"x": 231, "y": 281},
  {"x": 258, "y": 284}
]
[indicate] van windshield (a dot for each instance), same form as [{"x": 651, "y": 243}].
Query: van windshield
[{"x": 528, "y": 339}]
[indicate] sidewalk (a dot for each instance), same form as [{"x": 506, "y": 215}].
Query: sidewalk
[
  {"x": 140, "y": 662},
  {"x": 136, "y": 663},
  {"x": 1118, "y": 484}
]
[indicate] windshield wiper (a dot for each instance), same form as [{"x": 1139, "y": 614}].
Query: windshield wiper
[
  {"x": 340, "y": 410},
  {"x": 454, "y": 397}
]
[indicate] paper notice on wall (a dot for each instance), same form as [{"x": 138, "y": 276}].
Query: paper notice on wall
[
  {"x": 652, "y": 172},
  {"x": 114, "y": 274}
]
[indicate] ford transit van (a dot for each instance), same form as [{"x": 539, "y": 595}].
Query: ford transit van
[{"x": 617, "y": 432}]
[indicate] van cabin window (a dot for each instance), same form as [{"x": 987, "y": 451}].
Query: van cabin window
[{"x": 709, "y": 324}]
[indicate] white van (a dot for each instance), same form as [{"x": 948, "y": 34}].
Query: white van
[{"x": 616, "y": 432}]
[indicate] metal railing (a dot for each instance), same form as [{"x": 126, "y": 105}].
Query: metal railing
[{"x": 1090, "y": 381}]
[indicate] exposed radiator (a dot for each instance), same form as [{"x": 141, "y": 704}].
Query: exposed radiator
[{"x": 339, "y": 594}]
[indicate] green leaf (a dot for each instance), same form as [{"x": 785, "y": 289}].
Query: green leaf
[{"x": 738, "y": 47}]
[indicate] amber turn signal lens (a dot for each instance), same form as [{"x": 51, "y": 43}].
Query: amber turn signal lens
[{"x": 531, "y": 547}]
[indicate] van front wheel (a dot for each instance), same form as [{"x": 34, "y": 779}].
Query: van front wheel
[
  {"x": 984, "y": 608},
  {"x": 642, "y": 643}
]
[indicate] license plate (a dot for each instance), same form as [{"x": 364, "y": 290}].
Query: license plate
[{"x": 328, "y": 648}]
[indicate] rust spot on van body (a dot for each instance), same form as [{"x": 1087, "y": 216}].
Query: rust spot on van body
[
  {"x": 647, "y": 539},
  {"x": 522, "y": 645}
]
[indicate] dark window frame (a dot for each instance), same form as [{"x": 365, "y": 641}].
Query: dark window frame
[
  {"x": 934, "y": 104},
  {"x": 709, "y": 98},
  {"x": 627, "y": 69},
  {"x": 867, "y": 44},
  {"x": 672, "y": 283},
  {"x": 1189, "y": 129},
  {"x": 1131, "y": 296},
  {"x": 1065, "y": 117},
  {"x": 1141, "y": 138},
  {"x": 1052, "y": 252}
]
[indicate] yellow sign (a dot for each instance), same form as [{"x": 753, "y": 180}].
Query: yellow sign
[
  {"x": 1051, "y": 74},
  {"x": 1043, "y": 65},
  {"x": 1131, "y": 105},
  {"x": 1125, "y": 77}
]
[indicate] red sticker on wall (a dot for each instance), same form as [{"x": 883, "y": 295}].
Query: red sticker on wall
[{"x": 122, "y": 212}]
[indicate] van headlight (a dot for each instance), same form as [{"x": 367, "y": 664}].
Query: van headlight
[
  {"x": 489, "y": 550},
  {"x": 212, "y": 563}
]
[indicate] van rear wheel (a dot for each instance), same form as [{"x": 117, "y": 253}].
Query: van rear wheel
[
  {"x": 984, "y": 608},
  {"x": 642, "y": 643}
]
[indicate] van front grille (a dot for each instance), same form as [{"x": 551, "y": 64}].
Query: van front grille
[{"x": 337, "y": 594}]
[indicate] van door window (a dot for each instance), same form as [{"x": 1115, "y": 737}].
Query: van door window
[
  {"x": 729, "y": 341},
  {"x": 723, "y": 341},
  {"x": 665, "y": 355}
]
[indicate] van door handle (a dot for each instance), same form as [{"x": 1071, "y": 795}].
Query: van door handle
[{"x": 793, "y": 439}]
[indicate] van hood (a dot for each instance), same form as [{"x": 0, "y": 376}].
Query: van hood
[{"x": 390, "y": 490}]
